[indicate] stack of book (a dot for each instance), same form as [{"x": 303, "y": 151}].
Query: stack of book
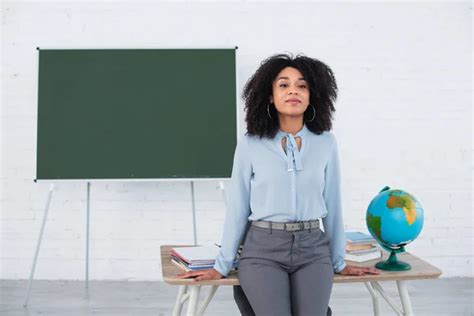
[
  {"x": 197, "y": 257},
  {"x": 361, "y": 247}
]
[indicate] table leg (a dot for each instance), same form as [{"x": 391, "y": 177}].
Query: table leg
[
  {"x": 193, "y": 300},
  {"x": 387, "y": 298},
  {"x": 405, "y": 298},
  {"x": 178, "y": 306},
  {"x": 206, "y": 302},
  {"x": 375, "y": 298}
]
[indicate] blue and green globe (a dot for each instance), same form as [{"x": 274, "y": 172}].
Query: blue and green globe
[{"x": 394, "y": 218}]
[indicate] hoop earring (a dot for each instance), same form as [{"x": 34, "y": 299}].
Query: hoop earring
[
  {"x": 314, "y": 114},
  {"x": 268, "y": 111}
]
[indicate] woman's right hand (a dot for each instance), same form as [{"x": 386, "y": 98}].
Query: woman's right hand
[{"x": 209, "y": 274}]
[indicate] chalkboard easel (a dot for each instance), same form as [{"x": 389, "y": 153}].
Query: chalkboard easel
[{"x": 134, "y": 115}]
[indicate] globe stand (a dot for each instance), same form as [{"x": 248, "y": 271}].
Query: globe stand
[{"x": 393, "y": 264}]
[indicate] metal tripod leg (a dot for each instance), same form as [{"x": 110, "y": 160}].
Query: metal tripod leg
[
  {"x": 51, "y": 189},
  {"x": 87, "y": 233},
  {"x": 194, "y": 213}
]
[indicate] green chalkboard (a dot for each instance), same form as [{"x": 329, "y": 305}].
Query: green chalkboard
[{"x": 136, "y": 113}]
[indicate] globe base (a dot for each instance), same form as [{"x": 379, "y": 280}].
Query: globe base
[{"x": 393, "y": 264}]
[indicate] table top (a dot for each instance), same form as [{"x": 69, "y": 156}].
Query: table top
[{"x": 419, "y": 270}]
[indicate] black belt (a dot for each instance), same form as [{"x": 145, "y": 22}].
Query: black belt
[{"x": 288, "y": 226}]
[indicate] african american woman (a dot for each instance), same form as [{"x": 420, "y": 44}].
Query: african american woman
[{"x": 285, "y": 183}]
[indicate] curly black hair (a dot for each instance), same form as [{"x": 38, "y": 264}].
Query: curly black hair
[{"x": 258, "y": 89}]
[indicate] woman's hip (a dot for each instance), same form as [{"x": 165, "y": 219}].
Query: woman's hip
[{"x": 287, "y": 248}]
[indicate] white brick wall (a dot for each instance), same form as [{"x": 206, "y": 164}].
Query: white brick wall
[{"x": 403, "y": 119}]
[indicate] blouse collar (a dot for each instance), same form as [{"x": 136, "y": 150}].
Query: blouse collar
[{"x": 302, "y": 132}]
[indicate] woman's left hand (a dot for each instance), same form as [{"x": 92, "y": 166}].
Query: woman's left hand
[{"x": 353, "y": 270}]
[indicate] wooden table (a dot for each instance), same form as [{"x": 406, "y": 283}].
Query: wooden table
[{"x": 190, "y": 289}]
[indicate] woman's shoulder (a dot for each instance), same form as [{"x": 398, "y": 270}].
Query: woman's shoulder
[
  {"x": 244, "y": 141},
  {"x": 326, "y": 136},
  {"x": 253, "y": 143},
  {"x": 250, "y": 140}
]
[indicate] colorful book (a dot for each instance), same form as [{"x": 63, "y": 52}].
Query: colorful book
[
  {"x": 356, "y": 247},
  {"x": 356, "y": 237},
  {"x": 362, "y": 257},
  {"x": 196, "y": 257},
  {"x": 357, "y": 251}
]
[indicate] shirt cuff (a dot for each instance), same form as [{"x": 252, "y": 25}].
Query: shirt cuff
[
  {"x": 338, "y": 267},
  {"x": 222, "y": 267}
]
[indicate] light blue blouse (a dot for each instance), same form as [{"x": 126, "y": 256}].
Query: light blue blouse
[{"x": 268, "y": 184}]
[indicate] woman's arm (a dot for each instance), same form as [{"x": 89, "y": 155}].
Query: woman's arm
[
  {"x": 238, "y": 207},
  {"x": 238, "y": 211},
  {"x": 333, "y": 222}
]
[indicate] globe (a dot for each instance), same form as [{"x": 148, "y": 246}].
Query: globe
[{"x": 394, "y": 219}]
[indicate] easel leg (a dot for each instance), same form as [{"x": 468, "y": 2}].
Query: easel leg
[
  {"x": 87, "y": 233},
  {"x": 51, "y": 189},
  {"x": 404, "y": 297},
  {"x": 178, "y": 306},
  {"x": 193, "y": 300},
  {"x": 194, "y": 213}
]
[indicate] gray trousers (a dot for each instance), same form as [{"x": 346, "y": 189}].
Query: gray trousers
[
  {"x": 244, "y": 306},
  {"x": 286, "y": 273}
]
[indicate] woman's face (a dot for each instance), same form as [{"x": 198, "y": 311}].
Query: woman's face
[{"x": 290, "y": 93}]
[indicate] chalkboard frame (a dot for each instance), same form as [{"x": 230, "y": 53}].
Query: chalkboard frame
[{"x": 145, "y": 179}]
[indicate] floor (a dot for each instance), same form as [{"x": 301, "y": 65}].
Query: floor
[{"x": 446, "y": 296}]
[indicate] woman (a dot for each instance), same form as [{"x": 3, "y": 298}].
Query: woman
[{"x": 285, "y": 178}]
